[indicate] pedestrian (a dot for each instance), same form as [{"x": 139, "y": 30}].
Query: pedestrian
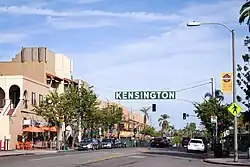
[{"x": 149, "y": 145}]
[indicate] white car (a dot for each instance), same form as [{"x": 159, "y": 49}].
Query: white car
[{"x": 196, "y": 145}]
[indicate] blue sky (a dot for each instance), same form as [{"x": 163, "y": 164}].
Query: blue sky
[{"x": 131, "y": 45}]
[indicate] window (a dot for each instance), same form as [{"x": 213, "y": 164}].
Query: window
[
  {"x": 33, "y": 100},
  {"x": 40, "y": 98},
  {"x": 196, "y": 141}
]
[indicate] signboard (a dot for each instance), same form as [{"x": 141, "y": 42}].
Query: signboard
[
  {"x": 145, "y": 95},
  {"x": 234, "y": 109},
  {"x": 213, "y": 119},
  {"x": 226, "y": 82}
]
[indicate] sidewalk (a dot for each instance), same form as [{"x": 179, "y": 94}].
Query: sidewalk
[
  {"x": 242, "y": 161},
  {"x": 227, "y": 161},
  {"x": 29, "y": 152}
]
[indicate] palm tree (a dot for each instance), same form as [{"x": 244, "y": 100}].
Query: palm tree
[
  {"x": 245, "y": 13},
  {"x": 192, "y": 128},
  {"x": 163, "y": 123},
  {"x": 171, "y": 129},
  {"x": 218, "y": 95},
  {"x": 145, "y": 111}
]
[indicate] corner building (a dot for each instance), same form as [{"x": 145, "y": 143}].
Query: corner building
[{"x": 24, "y": 82}]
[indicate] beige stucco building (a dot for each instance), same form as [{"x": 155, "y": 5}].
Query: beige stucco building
[
  {"x": 24, "y": 82},
  {"x": 131, "y": 119}
]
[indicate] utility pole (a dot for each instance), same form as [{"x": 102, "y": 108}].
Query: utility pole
[
  {"x": 80, "y": 117},
  {"x": 213, "y": 95},
  {"x": 213, "y": 86}
]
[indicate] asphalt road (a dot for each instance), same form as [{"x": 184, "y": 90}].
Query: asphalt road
[
  {"x": 149, "y": 160},
  {"x": 129, "y": 157}
]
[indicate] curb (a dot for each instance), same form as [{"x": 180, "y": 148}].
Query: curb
[
  {"x": 15, "y": 155},
  {"x": 225, "y": 163},
  {"x": 61, "y": 151}
]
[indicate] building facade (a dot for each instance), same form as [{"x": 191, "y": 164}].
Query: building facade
[{"x": 24, "y": 82}]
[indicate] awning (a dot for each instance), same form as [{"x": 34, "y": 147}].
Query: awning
[
  {"x": 54, "y": 77},
  {"x": 33, "y": 129}
]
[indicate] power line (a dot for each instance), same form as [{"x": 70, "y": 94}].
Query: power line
[
  {"x": 192, "y": 87},
  {"x": 115, "y": 89}
]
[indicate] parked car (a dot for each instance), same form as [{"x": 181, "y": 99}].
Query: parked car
[
  {"x": 158, "y": 142},
  {"x": 205, "y": 141},
  {"x": 89, "y": 143},
  {"x": 124, "y": 144},
  {"x": 118, "y": 144},
  {"x": 99, "y": 143},
  {"x": 107, "y": 143},
  {"x": 185, "y": 141},
  {"x": 196, "y": 145}
]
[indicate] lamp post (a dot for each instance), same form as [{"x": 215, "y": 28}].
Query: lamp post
[{"x": 195, "y": 24}]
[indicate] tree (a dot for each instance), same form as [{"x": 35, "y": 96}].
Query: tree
[
  {"x": 54, "y": 110},
  {"x": 243, "y": 81},
  {"x": 192, "y": 128},
  {"x": 89, "y": 109},
  {"x": 145, "y": 111},
  {"x": 214, "y": 107},
  {"x": 218, "y": 95},
  {"x": 71, "y": 105},
  {"x": 112, "y": 114},
  {"x": 149, "y": 130},
  {"x": 245, "y": 13},
  {"x": 163, "y": 123}
]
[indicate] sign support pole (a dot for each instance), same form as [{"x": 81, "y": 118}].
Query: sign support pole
[
  {"x": 216, "y": 132},
  {"x": 234, "y": 98}
]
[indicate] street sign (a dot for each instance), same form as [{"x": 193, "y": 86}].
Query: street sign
[
  {"x": 235, "y": 109},
  {"x": 145, "y": 95},
  {"x": 226, "y": 82},
  {"x": 213, "y": 119}
]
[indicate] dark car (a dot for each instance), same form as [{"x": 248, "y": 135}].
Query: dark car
[
  {"x": 185, "y": 141},
  {"x": 88, "y": 143},
  {"x": 118, "y": 144},
  {"x": 107, "y": 143},
  {"x": 158, "y": 142},
  {"x": 99, "y": 143}
]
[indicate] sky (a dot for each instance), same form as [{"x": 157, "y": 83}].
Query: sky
[{"x": 119, "y": 45}]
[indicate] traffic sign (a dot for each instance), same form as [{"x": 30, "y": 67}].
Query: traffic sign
[
  {"x": 226, "y": 82},
  {"x": 235, "y": 109},
  {"x": 213, "y": 119},
  {"x": 145, "y": 95}
]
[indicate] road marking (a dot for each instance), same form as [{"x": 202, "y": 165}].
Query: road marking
[
  {"x": 137, "y": 156},
  {"x": 107, "y": 158},
  {"x": 68, "y": 155}
]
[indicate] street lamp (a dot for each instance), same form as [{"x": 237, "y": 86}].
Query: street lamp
[{"x": 194, "y": 24}]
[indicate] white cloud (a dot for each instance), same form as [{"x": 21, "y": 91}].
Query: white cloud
[
  {"x": 62, "y": 23},
  {"x": 11, "y": 37},
  {"x": 142, "y": 16}
]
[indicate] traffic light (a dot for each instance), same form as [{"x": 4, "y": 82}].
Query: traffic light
[
  {"x": 154, "y": 107},
  {"x": 184, "y": 116}
]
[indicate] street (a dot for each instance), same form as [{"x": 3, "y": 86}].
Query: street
[{"x": 130, "y": 157}]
